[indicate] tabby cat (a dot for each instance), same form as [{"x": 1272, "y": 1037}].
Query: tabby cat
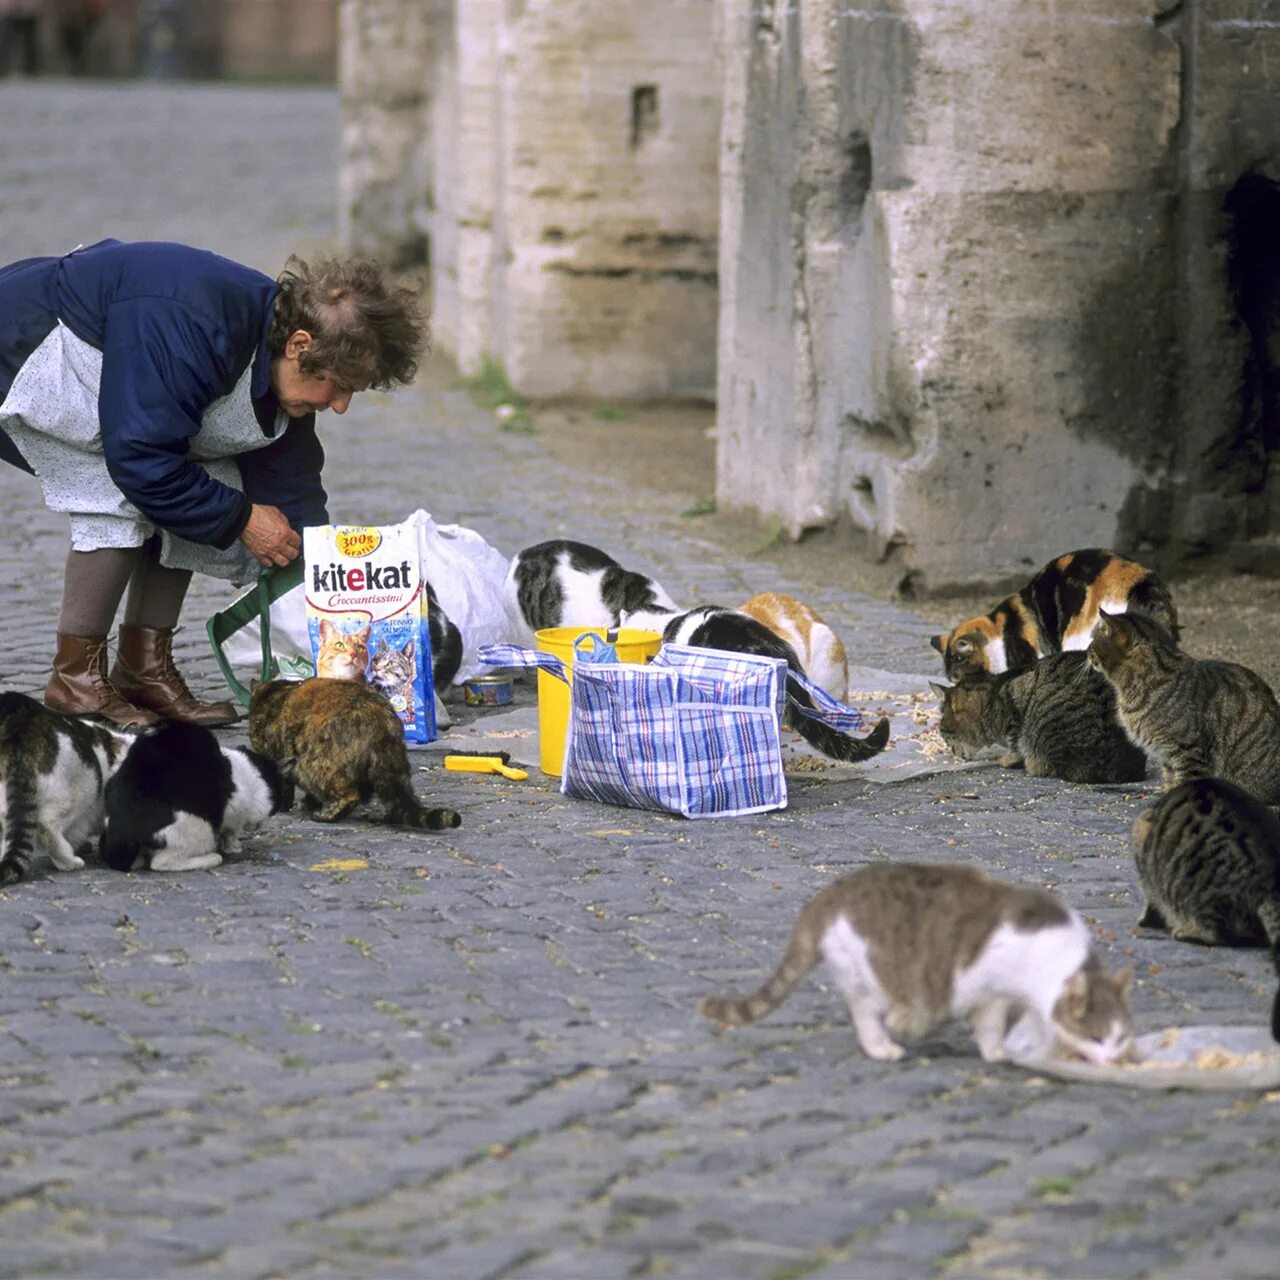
[
  {"x": 342, "y": 655},
  {"x": 1057, "y": 716},
  {"x": 1208, "y": 856},
  {"x": 52, "y": 772},
  {"x": 711, "y": 627},
  {"x": 821, "y": 654},
  {"x": 349, "y": 746},
  {"x": 1196, "y": 718},
  {"x": 391, "y": 672},
  {"x": 570, "y": 584},
  {"x": 910, "y": 945},
  {"x": 180, "y": 799},
  {"x": 1056, "y": 611}
]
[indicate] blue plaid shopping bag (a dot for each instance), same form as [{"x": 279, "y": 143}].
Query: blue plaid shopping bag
[{"x": 695, "y": 732}]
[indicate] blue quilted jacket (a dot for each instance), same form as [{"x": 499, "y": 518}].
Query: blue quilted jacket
[{"x": 177, "y": 327}]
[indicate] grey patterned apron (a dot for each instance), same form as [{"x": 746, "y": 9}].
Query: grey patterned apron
[{"x": 51, "y": 414}]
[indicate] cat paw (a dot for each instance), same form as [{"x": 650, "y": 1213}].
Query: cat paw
[
  {"x": 72, "y": 862},
  {"x": 886, "y": 1052}
]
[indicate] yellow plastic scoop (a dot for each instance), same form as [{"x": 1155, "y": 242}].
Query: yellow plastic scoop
[{"x": 483, "y": 764}]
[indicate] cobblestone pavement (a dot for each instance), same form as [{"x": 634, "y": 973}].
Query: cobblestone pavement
[{"x": 478, "y": 1056}]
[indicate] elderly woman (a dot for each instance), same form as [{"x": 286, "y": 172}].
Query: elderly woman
[{"x": 165, "y": 398}]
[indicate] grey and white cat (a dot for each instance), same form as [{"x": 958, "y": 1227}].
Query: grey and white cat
[
  {"x": 1057, "y": 717},
  {"x": 714, "y": 627},
  {"x": 560, "y": 583},
  {"x": 911, "y": 945},
  {"x": 180, "y": 800},
  {"x": 1208, "y": 856},
  {"x": 52, "y": 772},
  {"x": 1197, "y": 718}
]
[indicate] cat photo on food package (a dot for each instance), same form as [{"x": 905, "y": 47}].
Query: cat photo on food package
[{"x": 367, "y": 616}]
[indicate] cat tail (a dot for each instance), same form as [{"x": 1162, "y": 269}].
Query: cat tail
[
  {"x": 1269, "y": 914},
  {"x": 734, "y": 1011},
  {"x": 822, "y": 737},
  {"x": 405, "y": 810},
  {"x": 21, "y": 824}
]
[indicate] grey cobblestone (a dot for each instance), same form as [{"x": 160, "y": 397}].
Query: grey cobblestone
[{"x": 478, "y": 1056}]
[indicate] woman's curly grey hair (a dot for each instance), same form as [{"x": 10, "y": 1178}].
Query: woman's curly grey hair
[{"x": 362, "y": 328}]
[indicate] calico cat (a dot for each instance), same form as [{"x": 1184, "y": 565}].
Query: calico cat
[
  {"x": 712, "y": 627},
  {"x": 1056, "y": 611},
  {"x": 570, "y": 584},
  {"x": 1197, "y": 718},
  {"x": 819, "y": 649},
  {"x": 1208, "y": 856},
  {"x": 910, "y": 945},
  {"x": 52, "y": 772},
  {"x": 342, "y": 655},
  {"x": 349, "y": 745},
  {"x": 180, "y": 799},
  {"x": 1057, "y": 716}
]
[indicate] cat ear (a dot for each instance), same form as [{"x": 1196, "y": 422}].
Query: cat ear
[
  {"x": 287, "y": 766},
  {"x": 940, "y": 689},
  {"x": 965, "y": 645},
  {"x": 939, "y": 642},
  {"x": 1077, "y": 993},
  {"x": 1124, "y": 981},
  {"x": 408, "y": 649},
  {"x": 326, "y": 629}
]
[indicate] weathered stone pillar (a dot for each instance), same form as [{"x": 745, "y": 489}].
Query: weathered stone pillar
[
  {"x": 387, "y": 50},
  {"x": 949, "y": 265}
]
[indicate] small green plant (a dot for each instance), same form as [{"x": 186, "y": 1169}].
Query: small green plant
[
  {"x": 294, "y": 1062},
  {"x": 703, "y": 507},
  {"x": 771, "y": 541},
  {"x": 491, "y": 389},
  {"x": 610, "y": 413},
  {"x": 1056, "y": 1186}
]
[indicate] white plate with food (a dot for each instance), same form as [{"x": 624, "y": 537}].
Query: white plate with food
[{"x": 1196, "y": 1057}]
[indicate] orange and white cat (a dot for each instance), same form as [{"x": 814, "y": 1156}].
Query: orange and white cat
[
  {"x": 343, "y": 655},
  {"x": 819, "y": 649}
]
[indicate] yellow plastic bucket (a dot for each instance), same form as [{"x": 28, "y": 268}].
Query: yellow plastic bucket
[{"x": 553, "y": 694}]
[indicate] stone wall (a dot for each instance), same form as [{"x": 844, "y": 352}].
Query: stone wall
[{"x": 973, "y": 269}]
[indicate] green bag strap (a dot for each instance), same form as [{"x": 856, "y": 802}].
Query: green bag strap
[{"x": 272, "y": 584}]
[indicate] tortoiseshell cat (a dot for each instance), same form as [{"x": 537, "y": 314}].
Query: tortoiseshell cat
[
  {"x": 1056, "y": 611},
  {"x": 561, "y": 583},
  {"x": 818, "y": 647},
  {"x": 342, "y": 655},
  {"x": 1057, "y": 716},
  {"x": 53, "y": 769},
  {"x": 1208, "y": 856},
  {"x": 1196, "y": 718},
  {"x": 349, "y": 747},
  {"x": 910, "y": 945}
]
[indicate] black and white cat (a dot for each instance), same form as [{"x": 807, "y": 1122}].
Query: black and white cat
[
  {"x": 180, "y": 800},
  {"x": 570, "y": 584},
  {"x": 446, "y": 655},
  {"x": 52, "y": 772},
  {"x": 713, "y": 627}
]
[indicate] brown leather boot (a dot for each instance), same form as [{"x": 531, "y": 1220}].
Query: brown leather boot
[
  {"x": 144, "y": 673},
  {"x": 80, "y": 685}
]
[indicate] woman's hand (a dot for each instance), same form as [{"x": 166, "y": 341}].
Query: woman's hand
[{"x": 269, "y": 536}]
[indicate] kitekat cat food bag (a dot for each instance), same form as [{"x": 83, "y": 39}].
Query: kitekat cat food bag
[{"x": 367, "y": 615}]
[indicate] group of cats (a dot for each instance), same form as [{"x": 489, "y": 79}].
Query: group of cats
[
  {"x": 175, "y": 798},
  {"x": 1078, "y": 675}
]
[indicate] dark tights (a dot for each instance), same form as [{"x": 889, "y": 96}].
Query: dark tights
[{"x": 95, "y": 582}]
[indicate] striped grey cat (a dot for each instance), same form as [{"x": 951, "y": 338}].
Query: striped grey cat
[
  {"x": 1056, "y": 716},
  {"x": 1208, "y": 856},
  {"x": 909, "y": 945},
  {"x": 1197, "y": 718}
]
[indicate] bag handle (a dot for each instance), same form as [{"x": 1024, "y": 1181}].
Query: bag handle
[
  {"x": 514, "y": 655},
  {"x": 825, "y": 708},
  {"x": 270, "y": 668}
]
